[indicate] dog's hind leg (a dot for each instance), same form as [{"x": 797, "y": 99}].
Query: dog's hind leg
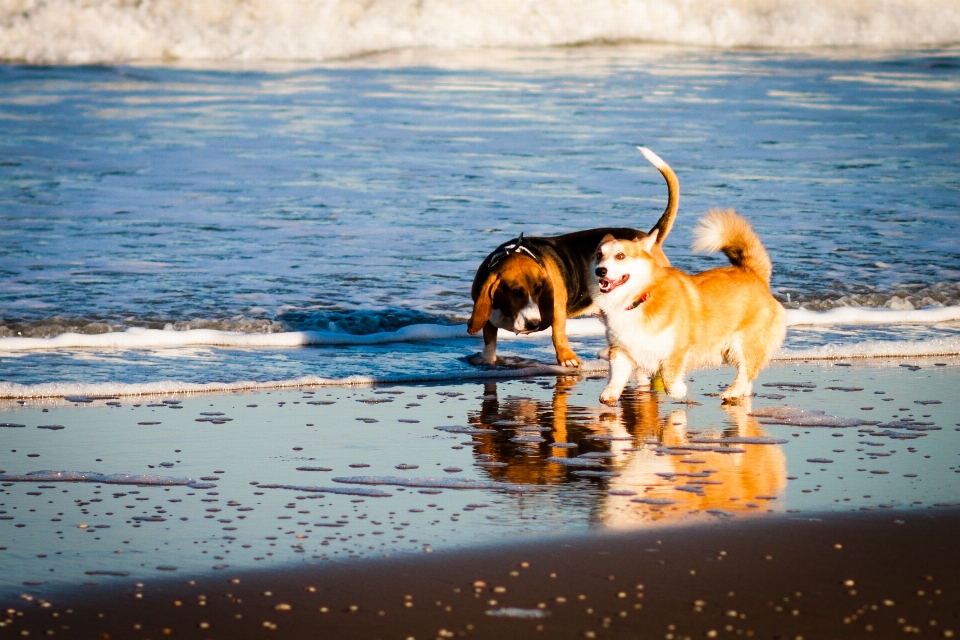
[
  {"x": 748, "y": 366},
  {"x": 673, "y": 371},
  {"x": 621, "y": 368}
]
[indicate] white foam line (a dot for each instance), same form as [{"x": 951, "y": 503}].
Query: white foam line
[
  {"x": 139, "y": 338},
  {"x": 869, "y": 315},
  {"x": 878, "y": 349},
  {"x": 862, "y": 350},
  {"x": 64, "y": 389}
]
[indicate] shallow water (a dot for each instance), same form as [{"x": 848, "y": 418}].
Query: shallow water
[
  {"x": 390, "y": 456},
  {"x": 359, "y": 197}
]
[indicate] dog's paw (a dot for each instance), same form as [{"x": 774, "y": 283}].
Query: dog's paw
[
  {"x": 609, "y": 398},
  {"x": 677, "y": 390},
  {"x": 478, "y": 359},
  {"x": 735, "y": 393},
  {"x": 568, "y": 359}
]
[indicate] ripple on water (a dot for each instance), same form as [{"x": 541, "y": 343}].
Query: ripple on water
[
  {"x": 436, "y": 483},
  {"x": 463, "y": 429},
  {"x": 796, "y": 417},
  {"x": 576, "y": 462},
  {"x": 740, "y": 440},
  {"x": 370, "y": 493},
  {"x": 94, "y": 476},
  {"x": 655, "y": 501}
]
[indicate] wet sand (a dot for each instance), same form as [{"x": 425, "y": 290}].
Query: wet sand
[
  {"x": 830, "y": 576},
  {"x": 431, "y": 511}
]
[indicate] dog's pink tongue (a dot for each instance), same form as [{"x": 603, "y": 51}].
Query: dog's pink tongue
[{"x": 607, "y": 286}]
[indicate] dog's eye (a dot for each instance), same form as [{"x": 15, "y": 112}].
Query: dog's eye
[
  {"x": 599, "y": 256},
  {"x": 537, "y": 289},
  {"x": 620, "y": 256}
]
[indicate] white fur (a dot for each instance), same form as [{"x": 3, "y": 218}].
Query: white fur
[
  {"x": 634, "y": 350},
  {"x": 654, "y": 159},
  {"x": 489, "y": 355},
  {"x": 530, "y": 311},
  {"x": 708, "y": 235}
]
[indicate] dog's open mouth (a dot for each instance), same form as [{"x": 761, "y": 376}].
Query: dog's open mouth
[{"x": 606, "y": 286}]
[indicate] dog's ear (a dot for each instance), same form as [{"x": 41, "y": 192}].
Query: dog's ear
[
  {"x": 545, "y": 303},
  {"x": 650, "y": 241},
  {"x": 483, "y": 305}
]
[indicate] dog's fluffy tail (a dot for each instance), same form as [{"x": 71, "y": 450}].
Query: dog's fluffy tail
[{"x": 726, "y": 231}]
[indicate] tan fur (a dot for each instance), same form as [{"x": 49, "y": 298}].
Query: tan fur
[{"x": 680, "y": 322}]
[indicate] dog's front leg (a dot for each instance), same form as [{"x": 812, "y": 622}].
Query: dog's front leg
[
  {"x": 565, "y": 355},
  {"x": 621, "y": 368},
  {"x": 489, "y": 355}
]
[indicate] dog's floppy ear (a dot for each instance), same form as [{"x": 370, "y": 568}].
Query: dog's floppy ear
[
  {"x": 483, "y": 305},
  {"x": 546, "y": 304}
]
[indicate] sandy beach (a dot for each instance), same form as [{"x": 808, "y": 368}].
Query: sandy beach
[
  {"x": 827, "y": 507},
  {"x": 833, "y": 576}
]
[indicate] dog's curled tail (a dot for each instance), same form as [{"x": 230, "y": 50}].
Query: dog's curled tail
[
  {"x": 725, "y": 231},
  {"x": 665, "y": 223}
]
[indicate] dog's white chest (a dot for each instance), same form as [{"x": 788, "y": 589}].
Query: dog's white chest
[{"x": 626, "y": 330}]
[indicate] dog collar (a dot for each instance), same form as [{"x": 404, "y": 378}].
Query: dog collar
[
  {"x": 639, "y": 301},
  {"x": 513, "y": 247}
]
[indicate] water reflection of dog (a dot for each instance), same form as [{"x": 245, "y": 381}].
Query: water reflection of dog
[
  {"x": 557, "y": 421},
  {"x": 735, "y": 481},
  {"x": 526, "y": 463},
  {"x": 738, "y": 482}
]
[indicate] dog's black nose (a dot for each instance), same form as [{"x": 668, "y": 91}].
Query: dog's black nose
[
  {"x": 531, "y": 325},
  {"x": 601, "y": 271}
]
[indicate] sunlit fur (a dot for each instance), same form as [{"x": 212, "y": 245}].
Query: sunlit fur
[{"x": 664, "y": 320}]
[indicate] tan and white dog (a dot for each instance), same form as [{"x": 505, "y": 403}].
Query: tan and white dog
[{"x": 660, "y": 319}]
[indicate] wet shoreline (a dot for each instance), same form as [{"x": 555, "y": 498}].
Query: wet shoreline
[{"x": 370, "y": 494}]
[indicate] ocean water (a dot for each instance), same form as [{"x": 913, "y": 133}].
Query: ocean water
[{"x": 195, "y": 225}]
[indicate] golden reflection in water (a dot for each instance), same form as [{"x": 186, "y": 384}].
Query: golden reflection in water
[{"x": 651, "y": 447}]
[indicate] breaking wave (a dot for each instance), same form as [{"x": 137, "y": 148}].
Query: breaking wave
[
  {"x": 86, "y": 391},
  {"x": 273, "y": 335},
  {"x": 107, "y": 31}
]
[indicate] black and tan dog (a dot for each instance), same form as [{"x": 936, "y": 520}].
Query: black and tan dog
[{"x": 529, "y": 284}]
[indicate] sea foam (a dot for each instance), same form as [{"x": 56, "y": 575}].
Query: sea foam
[
  {"x": 90, "y": 31},
  {"x": 76, "y": 390},
  {"x": 138, "y": 338}
]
